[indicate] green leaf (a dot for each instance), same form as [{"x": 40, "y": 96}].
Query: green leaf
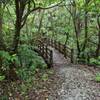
[
  {"x": 2, "y": 78},
  {"x": 97, "y": 78}
]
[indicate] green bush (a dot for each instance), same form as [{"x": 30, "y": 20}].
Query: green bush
[
  {"x": 30, "y": 61},
  {"x": 97, "y": 78},
  {"x": 8, "y": 59},
  {"x": 4, "y": 97},
  {"x": 2, "y": 77},
  {"x": 95, "y": 61},
  {"x": 29, "y": 58}
]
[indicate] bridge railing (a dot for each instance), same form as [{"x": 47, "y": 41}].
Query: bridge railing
[
  {"x": 66, "y": 51},
  {"x": 46, "y": 53}
]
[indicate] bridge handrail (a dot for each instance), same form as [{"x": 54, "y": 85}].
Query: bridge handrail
[
  {"x": 46, "y": 53},
  {"x": 65, "y": 50}
]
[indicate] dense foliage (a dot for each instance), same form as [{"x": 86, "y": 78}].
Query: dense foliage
[{"x": 75, "y": 23}]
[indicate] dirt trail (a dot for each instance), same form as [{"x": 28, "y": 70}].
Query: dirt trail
[{"x": 78, "y": 81}]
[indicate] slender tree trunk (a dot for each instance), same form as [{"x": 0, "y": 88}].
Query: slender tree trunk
[
  {"x": 75, "y": 19},
  {"x": 86, "y": 24},
  {"x": 98, "y": 47},
  {"x": 17, "y": 28},
  {"x": 16, "y": 39},
  {"x": 67, "y": 37},
  {"x": 0, "y": 36},
  {"x": 2, "y": 47},
  {"x": 12, "y": 73},
  {"x": 40, "y": 23},
  {"x": 77, "y": 38},
  {"x": 86, "y": 30}
]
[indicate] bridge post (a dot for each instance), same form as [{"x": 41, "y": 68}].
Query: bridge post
[
  {"x": 46, "y": 52},
  {"x": 72, "y": 55},
  {"x": 59, "y": 46},
  {"x": 65, "y": 51},
  {"x": 43, "y": 48},
  {"x": 49, "y": 40},
  {"x": 51, "y": 58},
  {"x": 51, "y": 43},
  {"x": 40, "y": 49}
]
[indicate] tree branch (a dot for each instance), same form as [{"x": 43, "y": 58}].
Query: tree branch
[{"x": 35, "y": 9}]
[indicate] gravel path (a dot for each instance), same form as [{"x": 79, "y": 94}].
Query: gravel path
[{"x": 78, "y": 81}]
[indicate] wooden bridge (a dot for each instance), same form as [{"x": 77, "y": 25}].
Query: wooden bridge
[
  {"x": 44, "y": 50},
  {"x": 62, "y": 48}
]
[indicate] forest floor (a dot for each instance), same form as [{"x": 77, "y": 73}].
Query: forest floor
[
  {"x": 64, "y": 81},
  {"x": 79, "y": 82}
]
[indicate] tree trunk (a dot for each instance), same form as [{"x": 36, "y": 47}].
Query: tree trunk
[
  {"x": 40, "y": 23},
  {"x": 17, "y": 28},
  {"x": 77, "y": 38},
  {"x": 86, "y": 25},
  {"x": 1, "y": 35},
  {"x": 1, "y": 39},
  {"x": 16, "y": 39},
  {"x": 2, "y": 45},
  {"x": 98, "y": 47},
  {"x": 75, "y": 19},
  {"x": 12, "y": 73}
]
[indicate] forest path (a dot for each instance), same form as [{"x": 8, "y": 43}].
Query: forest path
[{"x": 78, "y": 81}]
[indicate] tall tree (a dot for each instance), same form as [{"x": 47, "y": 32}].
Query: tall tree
[
  {"x": 97, "y": 4},
  {"x": 86, "y": 23},
  {"x": 23, "y": 9},
  {"x": 98, "y": 47},
  {"x": 2, "y": 45}
]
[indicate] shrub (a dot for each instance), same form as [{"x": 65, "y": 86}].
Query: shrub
[
  {"x": 97, "y": 78},
  {"x": 95, "y": 61}
]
